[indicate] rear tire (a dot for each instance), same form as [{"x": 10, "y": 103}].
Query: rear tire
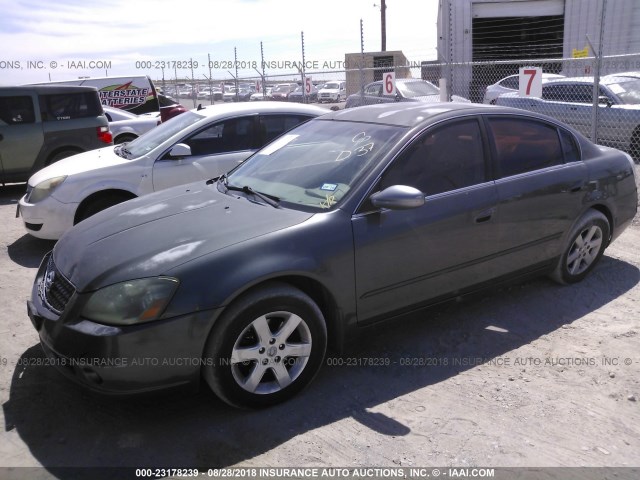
[
  {"x": 585, "y": 247},
  {"x": 61, "y": 155},
  {"x": 123, "y": 139},
  {"x": 266, "y": 347}
]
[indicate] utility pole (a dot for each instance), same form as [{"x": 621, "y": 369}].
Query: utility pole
[{"x": 383, "y": 24}]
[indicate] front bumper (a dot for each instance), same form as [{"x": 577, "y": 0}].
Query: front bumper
[
  {"x": 329, "y": 97},
  {"x": 47, "y": 219},
  {"x": 121, "y": 360}
]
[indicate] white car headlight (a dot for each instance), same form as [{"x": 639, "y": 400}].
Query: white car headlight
[
  {"x": 131, "y": 302},
  {"x": 44, "y": 189}
]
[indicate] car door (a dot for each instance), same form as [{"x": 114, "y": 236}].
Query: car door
[
  {"x": 21, "y": 134},
  {"x": 404, "y": 258},
  {"x": 541, "y": 183},
  {"x": 215, "y": 150}
]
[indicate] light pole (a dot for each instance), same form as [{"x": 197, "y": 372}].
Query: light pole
[{"x": 383, "y": 23}]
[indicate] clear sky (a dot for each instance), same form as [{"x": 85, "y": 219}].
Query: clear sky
[{"x": 65, "y": 39}]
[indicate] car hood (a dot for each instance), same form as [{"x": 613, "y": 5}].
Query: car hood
[
  {"x": 152, "y": 234},
  {"x": 82, "y": 162}
]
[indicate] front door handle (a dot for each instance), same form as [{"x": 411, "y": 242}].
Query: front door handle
[{"x": 485, "y": 215}]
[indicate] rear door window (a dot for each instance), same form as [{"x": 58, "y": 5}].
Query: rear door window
[
  {"x": 374, "y": 90},
  {"x": 69, "y": 106},
  {"x": 272, "y": 126},
  {"x": 524, "y": 145}
]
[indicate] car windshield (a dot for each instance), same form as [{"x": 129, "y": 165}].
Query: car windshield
[
  {"x": 281, "y": 88},
  {"x": 417, "y": 89},
  {"x": 154, "y": 137},
  {"x": 627, "y": 89},
  {"x": 332, "y": 86},
  {"x": 315, "y": 165}
]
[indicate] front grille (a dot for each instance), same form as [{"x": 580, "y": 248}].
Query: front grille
[
  {"x": 33, "y": 226},
  {"x": 55, "y": 290}
]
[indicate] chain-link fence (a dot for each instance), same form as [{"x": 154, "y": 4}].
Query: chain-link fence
[{"x": 598, "y": 97}]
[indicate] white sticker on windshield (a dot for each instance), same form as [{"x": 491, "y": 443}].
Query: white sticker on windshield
[
  {"x": 329, "y": 186},
  {"x": 278, "y": 144},
  {"x": 617, "y": 88}
]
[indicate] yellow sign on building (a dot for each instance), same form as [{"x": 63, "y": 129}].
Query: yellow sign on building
[{"x": 575, "y": 53}]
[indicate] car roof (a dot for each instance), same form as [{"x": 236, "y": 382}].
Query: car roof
[
  {"x": 405, "y": 80},
  {"x": 48, "y": 89},
  {"x": 410, "y": 114},
  {"x": 605, "y": 79},
  {"x": 257, "y": 107}
]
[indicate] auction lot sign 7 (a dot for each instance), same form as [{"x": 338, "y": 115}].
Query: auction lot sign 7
[{"x": 530, "y": 82}]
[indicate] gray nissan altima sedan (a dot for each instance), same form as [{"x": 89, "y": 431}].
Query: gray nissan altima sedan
[{"x": 354, "y": 217}]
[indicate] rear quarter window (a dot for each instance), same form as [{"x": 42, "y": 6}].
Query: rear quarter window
[
  {"x": 569, "y": 147},
  {"x": 69, "y": 106}
]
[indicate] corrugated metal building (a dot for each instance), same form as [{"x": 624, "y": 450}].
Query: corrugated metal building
[{"x": 497, "y": 30}]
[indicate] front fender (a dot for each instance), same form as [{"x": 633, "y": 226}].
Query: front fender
[
  {"x": 317, "y": 251},
  {"x": 135, "y": 179}
]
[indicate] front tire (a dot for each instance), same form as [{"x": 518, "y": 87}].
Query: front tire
[
  {"x": 585, "y": 247},
  {"x": 266, "y": 347},
  {"x": 96, "y": 205}
]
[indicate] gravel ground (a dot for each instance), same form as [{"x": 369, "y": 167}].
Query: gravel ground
[{"x": 531, "y": 375}]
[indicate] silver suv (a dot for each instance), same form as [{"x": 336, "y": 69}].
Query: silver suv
[{"x": 40, "y": 124}]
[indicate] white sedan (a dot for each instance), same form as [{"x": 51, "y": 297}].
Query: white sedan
[
  {"x": 510, "y": 84},
  {"x": 195, "y": 145},
  {"x": 126, "y": 126},
  {"x": 260, "y": 96}
]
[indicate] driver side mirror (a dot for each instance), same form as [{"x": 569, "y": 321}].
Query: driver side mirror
[
  {"x": 398, "y": 197},
  {"x": 604, "y": 100},
  {"x": 180, "y": 150}
]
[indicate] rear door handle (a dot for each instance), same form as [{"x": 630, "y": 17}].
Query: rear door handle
[
  {"x": 576, "y": 187},
  {"x": 485, "y": 215}
]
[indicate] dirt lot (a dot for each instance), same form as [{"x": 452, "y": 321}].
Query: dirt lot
[{"x": 532, "y": 375}]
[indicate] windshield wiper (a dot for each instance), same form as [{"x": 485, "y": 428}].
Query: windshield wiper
[
  {"x": 270, "y": 199},
  {"x": 118, "y": 151},
  {"x": 122, "y": 151}
]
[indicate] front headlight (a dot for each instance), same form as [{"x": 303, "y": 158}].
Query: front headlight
[
  {"x": 44, "y": 189},
  {"x": 132, "y": 302}
]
